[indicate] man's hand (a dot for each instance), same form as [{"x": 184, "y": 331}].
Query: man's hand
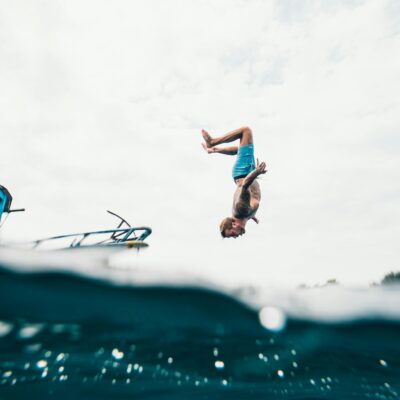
[{"x": 261, "y": 168}]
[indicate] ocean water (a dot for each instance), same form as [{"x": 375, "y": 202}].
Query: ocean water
[{"x": 66, "y": 336}]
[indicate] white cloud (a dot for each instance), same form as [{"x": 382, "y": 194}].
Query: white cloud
[{"x": 102, "y": 108}]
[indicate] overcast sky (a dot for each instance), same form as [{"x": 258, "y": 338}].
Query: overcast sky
[{"x": 102, "y": 104}]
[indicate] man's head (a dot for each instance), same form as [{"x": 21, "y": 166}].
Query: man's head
[{"x": 231, "y": 227}]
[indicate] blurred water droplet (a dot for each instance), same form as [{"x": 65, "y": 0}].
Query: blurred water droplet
[
  {"x": 29, "y": 331},
  {"x": 272, "y": 318},
  {"x": 33, "y": 348},
  {"x": 41, "y": 364},
  {"x": 219, "y": 364},
  {"x": 5, "y": 328},
  {"x": 262, "y": 357},
  {"x": 118, "y": 355}
]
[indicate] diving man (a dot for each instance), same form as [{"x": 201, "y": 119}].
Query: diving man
[{"x": 245, "y": 171}]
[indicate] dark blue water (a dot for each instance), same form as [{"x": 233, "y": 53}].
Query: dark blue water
[{"x": 66, "y": 337}]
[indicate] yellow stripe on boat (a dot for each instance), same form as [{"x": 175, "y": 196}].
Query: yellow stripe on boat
[{"x": 135, "y": 243}]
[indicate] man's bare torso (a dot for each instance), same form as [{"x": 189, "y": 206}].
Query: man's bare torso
[
  {"x": 246, "y": 201},
  {"x": 247, "y": 195}
]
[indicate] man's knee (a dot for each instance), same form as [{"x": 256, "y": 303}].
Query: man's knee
[{"x": 247, "y": 135}]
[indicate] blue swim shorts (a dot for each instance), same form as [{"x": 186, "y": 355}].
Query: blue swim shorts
[{"x": 244, "y": 162}]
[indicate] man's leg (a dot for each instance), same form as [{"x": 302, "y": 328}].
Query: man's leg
[
  {"x": 244, "y": 134},
  {"x": 230, "y": 151}
]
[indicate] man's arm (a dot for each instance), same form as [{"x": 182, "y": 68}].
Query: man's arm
[{"x": 260, "y": 169}]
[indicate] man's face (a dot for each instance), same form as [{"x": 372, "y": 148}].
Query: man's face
[{"x": 234, "y": 232}]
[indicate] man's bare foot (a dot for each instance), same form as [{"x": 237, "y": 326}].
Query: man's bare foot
[
  {"x": 207, "y": 138},
  {"x": 209, "y": 150}
]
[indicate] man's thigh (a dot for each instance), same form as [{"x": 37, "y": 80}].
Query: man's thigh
[{"x": 247, "y": 137}]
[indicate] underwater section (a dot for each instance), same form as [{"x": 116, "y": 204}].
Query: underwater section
[{"x": 64, "y": 336}]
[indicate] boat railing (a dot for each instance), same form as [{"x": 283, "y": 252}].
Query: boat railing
[{"x": 119, "y": 235}]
